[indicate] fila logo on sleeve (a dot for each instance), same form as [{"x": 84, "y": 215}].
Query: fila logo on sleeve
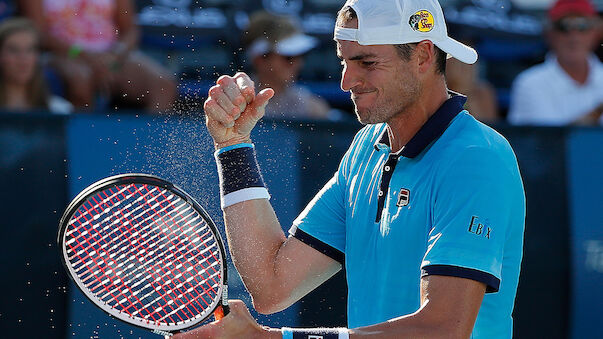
[{"x": 403, "y": 197}]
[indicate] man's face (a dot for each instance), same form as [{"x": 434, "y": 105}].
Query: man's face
[
  {"x": 381, "y": 83},
  {"x": 279, "y": 68},
  {"x": 573, "y": 38}
]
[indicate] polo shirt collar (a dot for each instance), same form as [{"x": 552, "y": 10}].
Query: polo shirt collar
[{"x": 432, "y": 129}]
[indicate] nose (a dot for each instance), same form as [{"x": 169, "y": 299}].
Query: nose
[{"x": 350, "y": 78}]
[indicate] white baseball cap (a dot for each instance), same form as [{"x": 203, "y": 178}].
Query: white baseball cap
[
  {"x": 294, "y": 45},
  {"x": 393, "y": 22}
]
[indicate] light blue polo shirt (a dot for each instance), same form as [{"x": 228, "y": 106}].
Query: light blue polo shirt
[{"x": 451, "y": 202}]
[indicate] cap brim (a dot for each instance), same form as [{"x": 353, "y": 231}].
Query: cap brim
[
  {"x": 297, "y": 44},
  {"x": 457, "y": 50}
]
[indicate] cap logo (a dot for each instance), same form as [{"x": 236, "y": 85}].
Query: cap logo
[{"x": 421, "y": 21}]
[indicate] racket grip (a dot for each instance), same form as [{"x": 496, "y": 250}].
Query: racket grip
[{"x": 221, "y": 311}]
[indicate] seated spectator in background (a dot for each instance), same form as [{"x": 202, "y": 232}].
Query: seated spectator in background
[
  {"x": 481, "y": 96},
  {"x": 275, "y": 48},
  {"x": 22, "y": 85},
  {"x": 93, "y": 48},
  {"x": 568, "y": 87}
]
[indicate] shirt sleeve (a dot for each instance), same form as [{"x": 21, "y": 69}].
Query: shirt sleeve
[{"x": 471, "y": 212}]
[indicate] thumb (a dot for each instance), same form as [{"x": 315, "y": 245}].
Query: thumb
[{"x": 261, "y": 100}]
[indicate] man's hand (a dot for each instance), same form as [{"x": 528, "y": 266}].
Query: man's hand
[
  {"x": 237, "y": 324},
  {"x": 232, "y": 109}
]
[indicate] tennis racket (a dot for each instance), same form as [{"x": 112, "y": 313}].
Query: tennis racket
[{"x": 145, "y": 252}]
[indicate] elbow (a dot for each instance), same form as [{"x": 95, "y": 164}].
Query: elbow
[
  {"x": 431, "y": 326},
  {"x": 268, "y": 305},
  {"x": 270, "y": 300},
  {"x": 264, "y": 307}
]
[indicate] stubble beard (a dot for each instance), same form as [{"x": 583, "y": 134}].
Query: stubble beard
[{"x": 388, "y": 109}]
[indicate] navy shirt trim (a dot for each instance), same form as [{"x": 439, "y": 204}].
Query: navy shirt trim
[
  {"x": 433, "y": 128},
  {"x": 320, "y": 246},
  {"x": 492, "y": 282}
]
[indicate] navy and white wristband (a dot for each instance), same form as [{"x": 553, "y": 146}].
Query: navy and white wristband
[
  {"x": 311, "y": 333},
  {"x": 239, "y": 173}
]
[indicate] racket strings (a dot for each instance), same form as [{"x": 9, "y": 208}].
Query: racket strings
[
  {"x": 117, "y": 265},
  {"x": 158, "y": 268},
  {"x": 146, "y": 292},
  {"x": 114, "y": 236},
  {"x": 209, "y": 235}
]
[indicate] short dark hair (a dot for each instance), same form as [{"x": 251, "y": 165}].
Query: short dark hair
[{"x": 347, "y": 14}]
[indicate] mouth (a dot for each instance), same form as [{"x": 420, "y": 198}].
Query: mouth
[{"x": 358, "y": 94}]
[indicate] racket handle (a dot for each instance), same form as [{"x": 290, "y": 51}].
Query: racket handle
[{"x": 221, "y": 311}]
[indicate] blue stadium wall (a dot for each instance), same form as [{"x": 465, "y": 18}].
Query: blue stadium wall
[{"x": 45, "y": 160}]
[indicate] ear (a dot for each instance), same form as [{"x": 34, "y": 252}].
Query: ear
[{"x": 425, "y": 54}]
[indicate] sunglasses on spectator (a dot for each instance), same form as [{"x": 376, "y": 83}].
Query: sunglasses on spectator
[{"x": 573, "y": 24}]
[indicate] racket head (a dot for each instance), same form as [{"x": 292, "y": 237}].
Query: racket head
[{"x": 162, "y": 268}]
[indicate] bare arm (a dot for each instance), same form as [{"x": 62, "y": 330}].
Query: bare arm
[
  {"x": 128, "y": 32},
  {"x": 449, "y": 308},
  {"x": 277, "y": 271}
]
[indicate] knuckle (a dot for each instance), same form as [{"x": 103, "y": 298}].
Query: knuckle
[
  {"x": 223, "y": 79},
  {"x": 209, "y": 103},
  {"x": 243, "y": 80},
  {"x": 241, "y": 75},
  {"x": 214, "y": 90}
]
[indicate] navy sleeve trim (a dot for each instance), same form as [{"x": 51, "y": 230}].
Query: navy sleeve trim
[
  {"x": 320, "y": 246},
  {"x": 492, "y": 282}
]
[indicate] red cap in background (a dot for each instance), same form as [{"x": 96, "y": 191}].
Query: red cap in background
[{"x": 563, "y": 8}]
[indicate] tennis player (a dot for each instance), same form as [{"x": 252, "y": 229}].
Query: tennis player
[{"x": 426, "y": 210}]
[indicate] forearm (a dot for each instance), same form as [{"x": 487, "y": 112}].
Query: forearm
[
  {"x": 255, "y": 238},
  {"x": 128, "y": 33},
  {"x": 127, "y": 42},
  {"x": 409, "y": 326},
  {"x": 269, "y": 263}
]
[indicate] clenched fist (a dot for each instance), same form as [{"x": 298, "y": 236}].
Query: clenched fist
[{"x": 233, "y": 108}]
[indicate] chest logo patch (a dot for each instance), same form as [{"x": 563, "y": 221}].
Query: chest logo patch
[{"x": 403, "y": 197}]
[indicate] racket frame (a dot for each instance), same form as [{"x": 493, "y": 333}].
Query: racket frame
[{"x": 140, "y": 178}]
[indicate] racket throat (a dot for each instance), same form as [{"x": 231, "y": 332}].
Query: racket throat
[{"x": 163, "y": 333}]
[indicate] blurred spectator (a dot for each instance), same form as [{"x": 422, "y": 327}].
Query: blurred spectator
[
  {"x": 93, "y": 45},
  {"x": 22, "y": 85},
  {"x": 481, "y": 96},
  {"x": 568, "y": 87},
  {"x": 275, "y": 46}
]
